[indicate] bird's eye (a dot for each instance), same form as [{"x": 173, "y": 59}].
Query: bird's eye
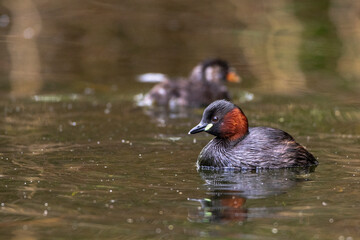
[{"x": 214, "y": 119}]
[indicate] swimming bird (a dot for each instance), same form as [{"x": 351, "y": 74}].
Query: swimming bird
[
  {"x": 237, "y": 146},
  {"x": 204, "y": 85}
]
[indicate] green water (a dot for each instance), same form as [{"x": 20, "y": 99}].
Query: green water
[{"x": 80, "y": 160}]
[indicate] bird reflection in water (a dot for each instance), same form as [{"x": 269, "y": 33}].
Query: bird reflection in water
[
  {"x": 226, "y": 206},
  {"x": 228, "y": 191}
]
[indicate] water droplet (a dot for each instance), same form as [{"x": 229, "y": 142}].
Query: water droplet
[
  {"x": 88, "y": 91},
  {"x": 72, "y": 123},
  {"x": 29, "y": 33},
  {"x": 4, "y": 20}
]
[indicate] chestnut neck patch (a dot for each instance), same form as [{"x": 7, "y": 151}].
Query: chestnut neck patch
[{"x": 234, "y": 125}]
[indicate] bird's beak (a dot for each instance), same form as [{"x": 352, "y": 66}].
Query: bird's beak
[
  {"x": 233, "y": 77},
  {"x": 200, "y": 128}
]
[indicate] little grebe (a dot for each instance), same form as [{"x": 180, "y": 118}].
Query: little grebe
[
  {"x": 237, "y": 146},
  {"x": 204, "y": 85}
]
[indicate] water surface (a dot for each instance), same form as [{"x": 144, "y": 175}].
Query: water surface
[{"x": 80, "y": 159}]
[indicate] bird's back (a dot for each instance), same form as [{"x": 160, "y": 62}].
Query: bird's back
[{"x": 262, "y": 147}]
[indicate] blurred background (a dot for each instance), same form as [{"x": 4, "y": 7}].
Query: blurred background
[{"x": 284, "y": 47}]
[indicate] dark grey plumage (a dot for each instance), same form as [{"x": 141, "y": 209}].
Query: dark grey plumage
[
  {"x": 263, "y": 147},
  {"x": 237, "y": 146}
]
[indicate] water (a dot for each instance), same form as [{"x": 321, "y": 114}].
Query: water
[{"x": 79, "y": 159}]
